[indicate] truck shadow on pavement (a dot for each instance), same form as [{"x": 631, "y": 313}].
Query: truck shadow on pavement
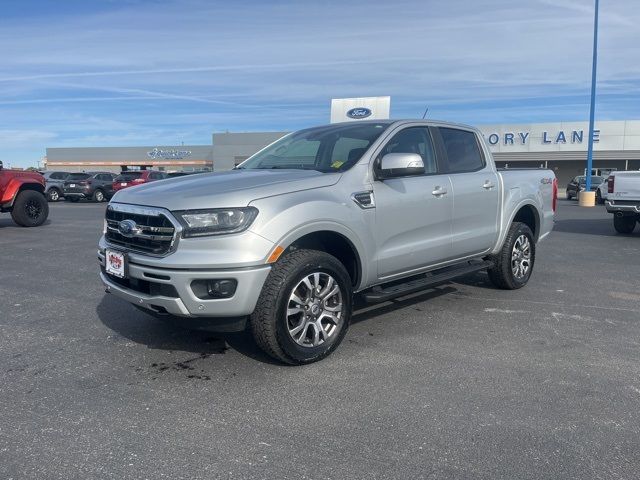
[
  {"x": 188, "y": 335},
  {"x": 174, "y": 333},
  {"x": 366, "y": 311},
  {"x": 8, "y": 222}
]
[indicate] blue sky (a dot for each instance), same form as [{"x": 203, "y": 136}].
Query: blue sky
[{"x": 151, "y": 72}]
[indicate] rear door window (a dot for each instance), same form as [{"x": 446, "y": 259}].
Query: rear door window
[{"x": 462, "y": 149}]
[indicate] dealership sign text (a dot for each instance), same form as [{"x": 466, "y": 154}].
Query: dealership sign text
[{"x": 521, "y": 138}]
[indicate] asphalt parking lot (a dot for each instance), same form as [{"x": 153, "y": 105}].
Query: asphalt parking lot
[{"x": 462, "y": 381}]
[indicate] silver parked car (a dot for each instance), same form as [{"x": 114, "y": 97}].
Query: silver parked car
[{"x": 54, "y": 189}]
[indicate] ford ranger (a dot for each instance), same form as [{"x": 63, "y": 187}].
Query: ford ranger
[
  {"x": 623, "y": 200},
  {"x": 379, "y": 208},
  {"x": 22, "y": 194}
]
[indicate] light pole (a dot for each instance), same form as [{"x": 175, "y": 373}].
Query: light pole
[{"x": 593, "y": 98}]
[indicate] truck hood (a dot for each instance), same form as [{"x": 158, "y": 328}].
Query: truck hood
[{"x": 235, "y": 188}]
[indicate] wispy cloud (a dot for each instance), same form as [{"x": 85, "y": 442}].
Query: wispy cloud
[{"x": 146, "y": 70}]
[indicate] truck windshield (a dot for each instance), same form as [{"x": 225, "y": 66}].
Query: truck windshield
[{"x": 331, "y": 148}]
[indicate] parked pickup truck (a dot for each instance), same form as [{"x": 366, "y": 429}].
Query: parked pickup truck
[
  {"x": 378, "y": 208},
  {"x": 22, "y": 194},
  {"x": 623, "y": 200}
]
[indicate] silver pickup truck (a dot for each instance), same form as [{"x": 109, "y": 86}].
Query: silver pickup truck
[
  {"x": 378, "y": 208},
  {"x": 623, "y": 200}
]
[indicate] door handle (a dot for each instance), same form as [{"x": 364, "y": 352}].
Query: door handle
[
  {"x": 487, "y": 185},
  {"x": 438, "y": 192}
]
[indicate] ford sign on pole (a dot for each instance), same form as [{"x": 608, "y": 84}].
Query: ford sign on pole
[
  {"x": 354, "y": 109},
  {"x": 359, "y": 113}
]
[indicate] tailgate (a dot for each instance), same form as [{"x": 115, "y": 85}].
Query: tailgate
[{"x": 626, "y": 186}]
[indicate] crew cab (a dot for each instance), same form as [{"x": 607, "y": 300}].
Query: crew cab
[
  {"x": 375, "y": 208},
  {"x": 623, "y": 200},
  {"x": 22, "y": 194}
]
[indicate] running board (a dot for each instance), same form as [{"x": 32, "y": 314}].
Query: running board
[{"x": 383, "y": 293}]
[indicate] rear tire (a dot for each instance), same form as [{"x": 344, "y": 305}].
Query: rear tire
[
  {"x": 53, "y": 195},
  {"x": 30, "y": 209},
  {"x": 599, "y": 199},
  {"x": 514, "y": 264},
  {"x": 296, "y": 324},
  {"x": 98, "y": 196},
  {"x": 624, "y": 224}
]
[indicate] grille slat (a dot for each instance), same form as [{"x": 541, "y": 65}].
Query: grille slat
[{"x": 156, "y": 234}]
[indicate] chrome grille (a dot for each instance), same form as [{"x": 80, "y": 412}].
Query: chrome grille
[{"x": 154, "y": 232}]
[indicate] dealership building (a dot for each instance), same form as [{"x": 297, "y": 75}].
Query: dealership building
[{"x": 561, "y": 146}]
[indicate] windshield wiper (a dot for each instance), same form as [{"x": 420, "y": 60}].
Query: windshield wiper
[{"x": 288, "y": 167}]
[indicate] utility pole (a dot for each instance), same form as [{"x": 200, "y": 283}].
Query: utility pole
[{"x": 593, "y": 98}]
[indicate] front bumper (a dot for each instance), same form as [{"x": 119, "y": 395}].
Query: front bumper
[
  {"x": 184, "y": 302},
  {"x": 626, "y": 208}
]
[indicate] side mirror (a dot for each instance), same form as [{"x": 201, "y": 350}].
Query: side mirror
[{"x": 400, "y": 165}]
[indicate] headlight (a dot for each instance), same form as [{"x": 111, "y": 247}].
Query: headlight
[{"x": 215, "y": 221}]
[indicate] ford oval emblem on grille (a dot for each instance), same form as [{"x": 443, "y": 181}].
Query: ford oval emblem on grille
[
  {"x": 360, "y": 112},
  {"x": 127, "y": 228}
]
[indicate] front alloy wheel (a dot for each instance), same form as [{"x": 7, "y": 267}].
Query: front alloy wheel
[
  {"x": 315, "y": 310},
  {"x": 304, "y": 308}
]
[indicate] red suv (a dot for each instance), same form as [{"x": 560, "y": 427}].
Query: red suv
[
  {"x": 22, "y": 194},
  {"x": 130, "y": 179}
]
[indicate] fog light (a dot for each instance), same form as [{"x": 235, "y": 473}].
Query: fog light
[{"x": 214, "y": 288}]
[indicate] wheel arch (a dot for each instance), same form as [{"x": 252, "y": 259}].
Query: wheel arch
[
  {"x": 14, "y": 187},
  {"x": 529, "y": 215},
  {"x": 332, "y": 241}
]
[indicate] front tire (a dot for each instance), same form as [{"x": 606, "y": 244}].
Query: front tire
[
  {"x": 514, "y": 264},
  {"x": 30, "y": 209},
  {"x": 624, "y": 224},
  {"x": 304, "y": 309}
]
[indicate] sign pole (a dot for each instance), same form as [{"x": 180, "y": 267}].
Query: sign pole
[{"x": 593, "y": 98}]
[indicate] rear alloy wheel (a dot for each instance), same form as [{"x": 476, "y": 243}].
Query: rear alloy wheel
[
  {"x": 624, "y": 224},
  {"x": 514, "y": 264},
  {"x": 53, "y": 195},
  {"x": 98, "y": 196},
  {"x": 304, "y": 308},
  {"x": 30, "y": 209}
]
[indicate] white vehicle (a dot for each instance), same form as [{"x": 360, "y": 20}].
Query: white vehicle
[
  {"x": 602, "y": 191},
  {"x": 623, "y": 200}
]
